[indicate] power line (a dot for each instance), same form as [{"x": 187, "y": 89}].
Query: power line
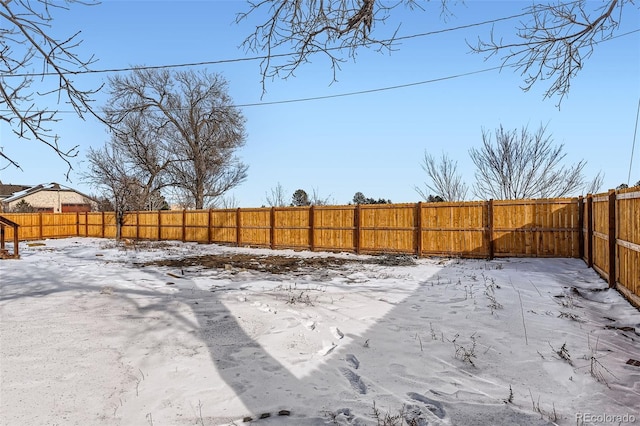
[
  {"x": 281, "y": 55},
  {"x": 341, "y": 95},
  {"x": 380, "y": 89},
  {"x": 260, "y": 58}
]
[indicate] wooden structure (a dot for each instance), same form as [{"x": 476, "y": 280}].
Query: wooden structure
[
  {"x": 4, "y": 253},
  {"x": 477, "y": 229},
  {"x": 602, "y": 229},
  {"x": 611, "y": 230}
]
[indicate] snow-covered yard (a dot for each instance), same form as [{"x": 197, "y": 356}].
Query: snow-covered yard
[{"x": 96, "y": 334}]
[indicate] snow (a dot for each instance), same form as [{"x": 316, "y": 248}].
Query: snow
[{"x": 90, "y": 335}]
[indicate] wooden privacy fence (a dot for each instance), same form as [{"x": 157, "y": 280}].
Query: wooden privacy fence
[
  {"x": 611, "y": 235},
  {"x": 480, "y": 229},
  {"x": 603, "y": 229}
]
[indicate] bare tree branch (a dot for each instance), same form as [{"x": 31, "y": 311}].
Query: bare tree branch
[
  {"x": 593, "y": 186},
  {"x": 316, "y": 26},
  {"x": 445, "y": 180},
  {"x": 277, "y": 198},
  {"x": 26, "y": 43},
  {"x": 556, "y": 41},
  {"x": 552, "y": 44}
]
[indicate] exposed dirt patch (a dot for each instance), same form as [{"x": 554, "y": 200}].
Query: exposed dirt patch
[{"x": 275, "y": 264}]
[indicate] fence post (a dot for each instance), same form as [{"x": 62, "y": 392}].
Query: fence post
[
  {"x": 184, "y": 225},
  {"x": 238, "y": 228},
  {"x": 490, "y": 228},
  {"x": 272, "y": 228},
  {"x": 589, "y": 238},
  {"x": 209, "y": 227},
  {"x": 77, "y": 224},
  {"x": 103, "y": 225},
  {"x": 612, "y": 238},
  {"x": 312, "y": 245},
  {"x": 159, "y": 225},
  {"x": 580, "y": 227},
  {"x": 86, "y": 224},
  {"x": 356, "y": 219},
  {"x": 40, "y": 227},
  {"x": 137, "y": 225},
  {"x": 419, "y": 229}
]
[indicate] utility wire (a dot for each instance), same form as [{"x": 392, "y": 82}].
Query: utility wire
[
  {"x": 260, "y": 58},
  {"x": 340, "y": 95},
  {"x": 633, "y": 145},
  {"x": 380, "y": 89}
]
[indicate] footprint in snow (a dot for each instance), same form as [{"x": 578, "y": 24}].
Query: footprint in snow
[
  {"x": 337, "y": 333},
  {"x": 352, "y": 361},
  {"x": 356, "y": 382},
  {"x": 432, "y": 405},
  {"x": 327, "y": 349}
]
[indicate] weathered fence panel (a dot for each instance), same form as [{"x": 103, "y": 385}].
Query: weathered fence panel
[
  {"x": 600, "y": 235},
  {"x": 224, "y": 226},
  {"x": 291, "y": 227},
  {"x": 335, "y": 228},
  {"x": 254, "y": 227},
  {"x": 628, "y": 243},
  {"x": 387, "y": 228},
  {"x": 455, "y": 229},
  {"x": 196, "y": 225},
  {"x": 536, "y": 228}
]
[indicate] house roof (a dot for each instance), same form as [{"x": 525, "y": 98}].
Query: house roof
[
  {"x": 9, "y": 189},
  {"x": 41, "y": 187}
]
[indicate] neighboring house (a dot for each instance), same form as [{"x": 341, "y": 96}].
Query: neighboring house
[
  {"x": 7, "y": 191},
  {"x": 47, "y": 197}
]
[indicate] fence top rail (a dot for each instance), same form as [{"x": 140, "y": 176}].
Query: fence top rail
[
  {"x": 387, "y": 206},
  {"x": 628, "y": 195},
  {"x": 574, "y": 200},
  {"x": 447, "y": 204}
]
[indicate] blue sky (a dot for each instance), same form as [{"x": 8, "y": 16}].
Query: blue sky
[{"x": 373, "y": 142}]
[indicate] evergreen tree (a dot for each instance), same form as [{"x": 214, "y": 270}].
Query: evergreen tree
[{"x": 300, "y": 198}]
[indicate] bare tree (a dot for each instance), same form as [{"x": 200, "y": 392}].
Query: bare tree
[
  {"x": 593, "y": 186},
  {"x": 227, "y": 202},
  {"x": 553, "y": 41},
  {"x": 29, "y": 56},
  {"x": 523, "y": 165},
  {"x": 318, "y": 200},
  {"x": 277, "y": 198},
  {"x": 109, "y": 171},
  {"x": 446, "y": 183},
  {"x": 194, "y": 123}
]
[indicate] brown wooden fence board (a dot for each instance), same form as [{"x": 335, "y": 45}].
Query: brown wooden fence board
[
  {"x": 601, "y": 234},
  {"x": 454, "y": 229},
  {"x": 628, "y": 243},
  {"x": 387, "y": 228},
  {"x": 255, "y": 227},
  {"x": 223, "y": 226},
  {"x": 536, "y": 228},
  {"x": 335, "y": 228},
  {"x": 291, "y": 227}
]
